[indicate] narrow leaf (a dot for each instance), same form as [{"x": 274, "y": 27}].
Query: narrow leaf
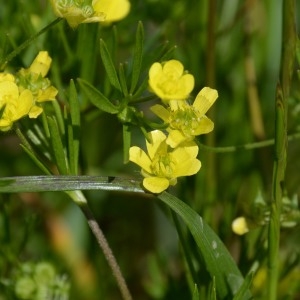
[
  {"x": 97, "y": 98},
  {"x": 109, "y": 66},
  {"x": 57, "y": 147},
  {"x": 137, "y": 57},
  {"x": 123, "y": 80},
  {"x": 218, "y": 260}
]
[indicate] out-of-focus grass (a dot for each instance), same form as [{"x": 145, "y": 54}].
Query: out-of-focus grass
[{"x": 47, "y": 226}]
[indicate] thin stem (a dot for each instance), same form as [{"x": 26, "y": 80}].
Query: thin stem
[
  {"x": 281, "y": 107},
  {"x": 249, "y": 146},
  {"x": 79, "y": 198},
  {"x": 25, "y": 44}
]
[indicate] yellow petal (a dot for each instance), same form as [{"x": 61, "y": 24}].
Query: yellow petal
[
  {"x": 156, "y": 184},
  {"x": 205, "y": 125},
  {"x": 41, "y": 64},
  {"x": 173, "y": 67},
  {"x": 139, "y": 157},
  {"x": 175, "y": 137},
  {"x": 161, "y": 112},
  {"x": 5, "y": 124},
  {"x": 6, "y": 77},
  {"x": 205, "y": 99},
  {"x": 188, "y": 83},
  {"x": 35, "y": 111},
  {"x": 25, "y": 103},
  {"x": 157, "y": 137},
  {"x": 47, "y": 95},
  {"x": 8, "y": 91},
  {"x": 114, "y": 10},
  {"x": 187, "y": 168}
]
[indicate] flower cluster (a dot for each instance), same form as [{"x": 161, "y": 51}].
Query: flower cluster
[
  {"x": 90, "y": 11},
  {"x": 21, "y": 94},
  {"x": 173, "y": 155}
]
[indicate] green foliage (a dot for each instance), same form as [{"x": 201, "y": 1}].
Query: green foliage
[{"x": 82, "y": 141}]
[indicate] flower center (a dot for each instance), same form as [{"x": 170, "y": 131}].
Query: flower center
[
  {"x": 162, "y": 166},
  {"x": 169, "y": 83},
  {"x": 186, "y": 120}
]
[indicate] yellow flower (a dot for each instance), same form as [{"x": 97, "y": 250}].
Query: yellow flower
[
  {"x": 240, "y": 226},
  {"x": 162, "y": 166},
  {"x": 169, "y": 81},
  {"x": 187, "y": 121},
  {"x": 13, "y": 104},
  {"x": 80, "y": 11},
  {"x": 33, "y": 78}
]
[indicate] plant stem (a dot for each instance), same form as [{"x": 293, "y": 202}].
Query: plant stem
[
  {"x": 80, "y": 199},
  {"x": 25, "y": 44},
  {"x": 281, "y": 107}
]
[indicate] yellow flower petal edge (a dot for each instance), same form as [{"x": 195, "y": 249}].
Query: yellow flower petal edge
[
  {"x": 114, "y": 10},
  {"x": 169, "y": 81},
  {"x": 205, "y": 99},
  {"x": 156, "y": 185},
  {"x": 41, "y": 64}
]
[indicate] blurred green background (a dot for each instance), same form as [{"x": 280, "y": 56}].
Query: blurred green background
[{"x": 233, "y": 46}]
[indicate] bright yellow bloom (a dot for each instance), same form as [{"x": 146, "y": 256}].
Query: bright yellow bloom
[
  {"x": 80, "y": 11},
  {"x": 187, "y": 121},
  {"x": 13, "y": 104},
  {"x": 34, "y": 79},
  {"x": 162, "y": 166},
  {"x": 169, "y": 81},
  {"x": 240, "y": 226}
]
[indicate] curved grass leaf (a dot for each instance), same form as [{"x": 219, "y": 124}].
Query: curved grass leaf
[
  {"x": 218, "y": 260},
  {"x": 219, "y": 263}
]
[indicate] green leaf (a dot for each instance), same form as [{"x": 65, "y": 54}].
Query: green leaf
[
  {"x": 196, "y": 293},
  {"x": 73, "y": 129},
  {"x": 218, "y": 260},
  {"x": 57, "y": 147},
  {"x": 123, "y": 80},
  {"x": 243, "y": 290},
  {"x": 109, "y": 66},
  {"x": 97, "y": 98},
  {"x": 137, "y": 57}
]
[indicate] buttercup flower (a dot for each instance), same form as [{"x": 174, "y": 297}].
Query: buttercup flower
[
  {"x": 186, "y": 121},
  {"x": 33, "y": 78},
  {"x": 162, "y": 166},
  {"x": 88, "y": 11},
  {"x": 13, "y": 104},
  {"x": 169, "y": 81}
]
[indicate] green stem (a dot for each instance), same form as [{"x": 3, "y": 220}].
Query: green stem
[
  {"x": 14, "y": 53},
  {"x": 281, "y": 107},
  {"x": 80, "y": 199},
  {"x": 249, "y": 146}
]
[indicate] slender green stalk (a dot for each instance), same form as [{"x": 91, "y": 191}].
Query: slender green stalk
[
  {"x": 211, "y": 176},
  {"x": 281, "y": 107},
  {"x": 249, "y": 146},
  {"x": 79, "y": 198},
  {"x": 14, "y": 53}
]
